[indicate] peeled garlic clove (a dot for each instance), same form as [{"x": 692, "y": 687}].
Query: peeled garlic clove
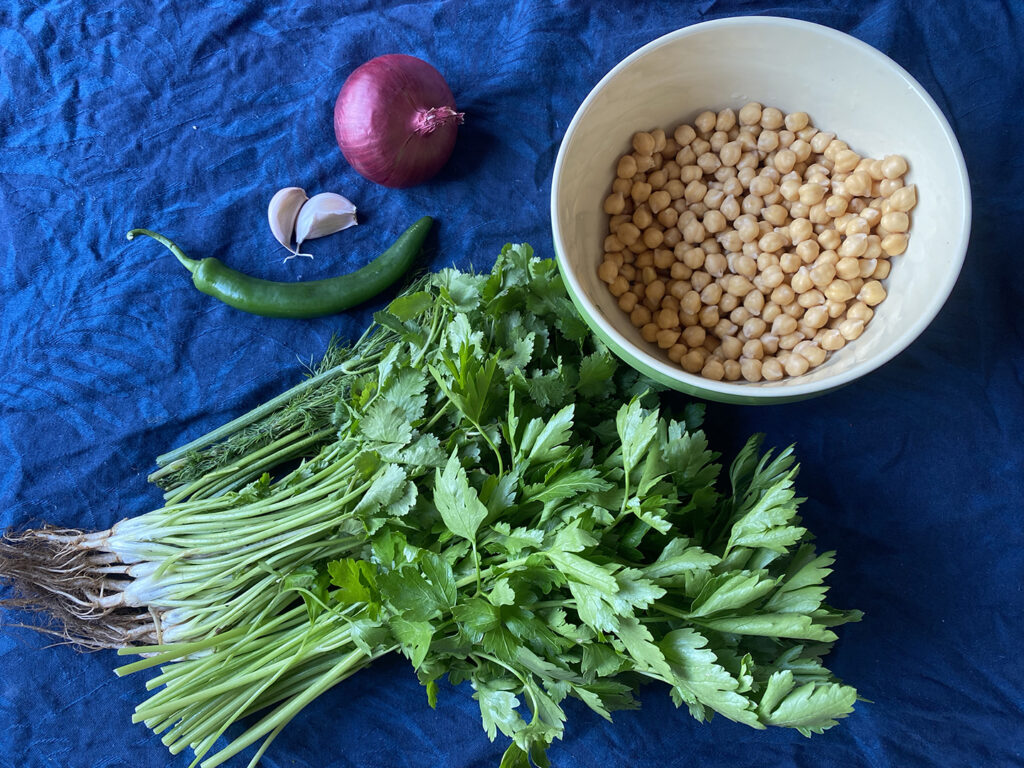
[
  {"x": 324, "y": 214},
  {"x": 283, "y": 213}
]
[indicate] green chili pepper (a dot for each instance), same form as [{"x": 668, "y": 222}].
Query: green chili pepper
[{"x": 313, "y": 298}]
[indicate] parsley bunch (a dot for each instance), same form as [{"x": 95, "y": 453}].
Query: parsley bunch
[{"x": 505, "y": 504}]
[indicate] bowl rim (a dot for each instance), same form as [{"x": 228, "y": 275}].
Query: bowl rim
[{"x": 788, "y": 389}]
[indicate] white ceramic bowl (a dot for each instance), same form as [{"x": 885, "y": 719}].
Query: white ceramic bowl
[{"x": 848, "y": 88}]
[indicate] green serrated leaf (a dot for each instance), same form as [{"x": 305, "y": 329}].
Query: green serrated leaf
[
  {"x": 639, "y": 644},
  {"x": 502, "y": 593},
  {"x": 636, "y": 428},
  {"x": 582, "y": 571},
  {"x": 700, "y": 681},
  {"x": 414, "y": 637},
  {"x": 355, "y": 581},
  {"x": 411, "y": 305},
  {"x": 498, "y": 711},
  {"x": 812, "y": 707},
  {"x": 730, "y": 591},
  {"x": 791, "y": 625},
  {"x": 457, "y": 502}
]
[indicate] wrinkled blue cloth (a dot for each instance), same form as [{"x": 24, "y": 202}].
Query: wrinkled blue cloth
[{"x": 187, "y": 116}]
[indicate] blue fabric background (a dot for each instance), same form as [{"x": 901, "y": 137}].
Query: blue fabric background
[{"x": 188, "y": 116}]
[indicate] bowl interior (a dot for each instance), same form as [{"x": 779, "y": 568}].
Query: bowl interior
[{"x": 848, "y": 88}]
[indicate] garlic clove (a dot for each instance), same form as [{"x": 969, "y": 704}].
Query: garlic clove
[
  {"x": 283, "y": 213},
  {"x": 324, "y": 214}
]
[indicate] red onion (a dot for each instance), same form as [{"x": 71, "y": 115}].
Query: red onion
[{"x": 395, "y": 120}]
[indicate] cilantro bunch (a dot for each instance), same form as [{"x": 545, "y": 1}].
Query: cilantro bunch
[{"x": 503, "y": 503}]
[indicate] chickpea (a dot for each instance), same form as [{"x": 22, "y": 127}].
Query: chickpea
[
  {"x": 796, "y": 365},
  {"x": 653, "y": 237},
  {"x": 893, "y": 166},
  {"x": 739, "y": 286},
  {"x": 816, "y": 316},
  {"x": 822, "y": 274},
  {"x": 628, "y": 233},
  {"x": 642, "y": 216},
  {"x": 771, "y": 369},
  {"x": 667, "y": 217},
  {"x": 802, "y": 150},
  {"x": 676, "y": 352},
  {"x": 750, "y": 369},
  {"x": 768, "y": 141},
  {"x": 904, "y": 198},
  {"x": 753, "y": 328},
  {"x": 644, "y": 163},
  {"x": 776, "y": 215},
  {"x": 684, "y": 134},
  {"x": 708, "y": 316},
  {"x": 643, "y": 143},
  {"x": 694, "y": 191},
  {"x": 730, "y": 154},
  {"x": 713, "y": 369},
  {"x": 866, "y": 267},
  {"x": 811, "y": 352},
  {"x": 771, "y": 277},
  {"x": 694, "y": 336},
  {"x": 618, "y": 286},
  {"x": 896, "y": 221},
  {"x": 714, "y": 221},
  {"x": 614, "y": 204},
  {"x": 705, "y": 122},
  {"x": 783, "y": 325},
  {"x": 640, "y": 316},
  {"x": 753, "y": 302},
  {"x": 655, "y": 292},
  {"x": 832, "y": 340},
  {"x": 872, "y": 293},
  {"x": 847, "y": 267},
  {"x": 608, "y": 271},
  {"x": 627, "y": 301},
  {"x": 715, "y": 264},
  {"x": 626, "y": 168},
  {"x": 667, "y": 337},
  {"x": 851, "y": 329},
  {"x": 711, "y": 294},
  {"x": 894, "y": 244},
  {"x": 834, "y": 148},
  {"x": 859, "y": 310},
  {"x": 731, "y": 347},
  {"x": 784, "y": 161},
  {"x": 808, "y": 250},
  {"x": 657, "y": 179},
  {"x": 771, "y": 242},
  {"x": 858, "y": 184},
  {"x": 801, "y": 282},
  {"x": 660, "y": 140},
  {"x": 772, "y": 118},
  {"x": 750, "y": 113},
  {"x": 709, "y": 162},
  {"x": 783, "y": 294},
  {"x": 640, "y": 192},
  {"x": 694, "y": 232},
  {"x": 820, "y": 141},
  {"x": 829, "y": 239}
]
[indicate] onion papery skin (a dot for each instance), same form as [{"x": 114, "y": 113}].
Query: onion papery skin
[{"x": 395, "y": 120}]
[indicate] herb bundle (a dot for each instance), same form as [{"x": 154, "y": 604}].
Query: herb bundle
[{"x": 480, "y": 486}]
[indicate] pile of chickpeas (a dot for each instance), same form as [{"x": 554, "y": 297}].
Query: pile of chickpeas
[{"x": 749, "y": 245}]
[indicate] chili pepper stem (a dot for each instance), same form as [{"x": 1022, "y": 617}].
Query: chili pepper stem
[{"x": 189, "y": 264}]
